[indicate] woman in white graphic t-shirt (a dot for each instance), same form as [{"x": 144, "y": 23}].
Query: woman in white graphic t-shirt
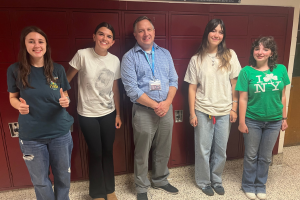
[
  {"x": 99, "y": 107},
  {"x": 212, "y": 74}
]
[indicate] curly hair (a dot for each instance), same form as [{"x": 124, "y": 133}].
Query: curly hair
[{"x": 267, "y": 42}]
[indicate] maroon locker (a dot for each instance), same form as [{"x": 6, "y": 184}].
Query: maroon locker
[
  {"x": 179, "y": 28},
  {"x": 4, "y": 172}
]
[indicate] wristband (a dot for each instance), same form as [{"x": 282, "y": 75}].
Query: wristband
[
  {"x": 234, "y": 101},
  {"x": 192, "y": 117},
  {"x": 233, "y": 110},
  {"x": 284, "y": 118}
]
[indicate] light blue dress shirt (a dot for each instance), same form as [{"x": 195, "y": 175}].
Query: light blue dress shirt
[{"x": 136, "y": 73}]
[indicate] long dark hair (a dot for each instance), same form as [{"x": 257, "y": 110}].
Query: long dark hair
[
  {"x": 267, "y": 42},
  {"x": 25, "y": 61},
  {"x": 223, "y": 53},
  {"x": 106, "y": 25}
]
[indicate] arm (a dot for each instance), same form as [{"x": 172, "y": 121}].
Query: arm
[
  {"x": 235, "y": 97},
  {"x": 19, "y": 105},
  {"x": 164, "y": 106},
  {"x": 116, "y": 92},
  {"x": 242, "y": 111},
  {"x": 192, "y": 99},
  {"x": 284, "y": 115},
  {"x": 129, "y": 79},
  {"x": 71, "y": 73},
  {"x": 145, "y": 100}
]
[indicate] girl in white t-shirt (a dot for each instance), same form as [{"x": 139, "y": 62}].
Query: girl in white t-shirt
[
  {"x": 99, "y": 107},
  {"x": 212, "y": 74}
]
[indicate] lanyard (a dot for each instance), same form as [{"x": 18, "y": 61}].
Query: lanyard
[{"x": 152, "y": 67}]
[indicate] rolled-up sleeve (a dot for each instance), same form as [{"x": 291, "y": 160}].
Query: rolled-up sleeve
[
  {"x": 173, "y": 77},
  {"x": 129, "y": 78}
]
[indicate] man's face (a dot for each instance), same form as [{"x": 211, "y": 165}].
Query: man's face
[{"x": 144, "y": 34}]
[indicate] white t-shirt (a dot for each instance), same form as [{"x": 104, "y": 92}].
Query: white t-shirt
[
  {"x": 214, "y": 93},
  {"x": 96, "y": 75}
]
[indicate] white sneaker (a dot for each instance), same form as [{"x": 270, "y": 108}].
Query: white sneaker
[
  {"x": 262, "y": 195},
  {"x": 250, "y": 195}
]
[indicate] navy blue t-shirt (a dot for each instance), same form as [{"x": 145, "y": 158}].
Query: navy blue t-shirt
[{"x": 46, "y": 118}]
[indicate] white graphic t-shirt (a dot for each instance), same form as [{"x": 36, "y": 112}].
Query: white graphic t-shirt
[{"x": 96, "y": 75}]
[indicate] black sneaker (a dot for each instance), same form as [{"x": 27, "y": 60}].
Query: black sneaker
[
  {"x": 167, "y": 188},
  {"x": 142, "y": 196},
  {"x": 208, "y": 190},
  {"x": 219, "y": 190}
]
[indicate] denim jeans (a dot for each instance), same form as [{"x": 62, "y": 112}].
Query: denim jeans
[
  {"x": 259, "y": 143},
  {"x": 42, "y": 153},
  {"x": 210, "y": 149}
]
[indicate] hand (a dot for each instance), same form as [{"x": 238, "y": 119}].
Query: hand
[
  {"x": 23, "y": 107},
  {"x": 162, "y": 108},
  {"x": 63, "y": 101},
  {"x": 243, "y": 128},
  {"x": 233, "y": 116},
  {"x": 284, "y": 125},
  {"x": 194, "y": 121},
  {"x": 118, "y": 122}
]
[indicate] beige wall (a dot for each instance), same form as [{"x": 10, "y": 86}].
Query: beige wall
[{"x": 284, "y": 3}]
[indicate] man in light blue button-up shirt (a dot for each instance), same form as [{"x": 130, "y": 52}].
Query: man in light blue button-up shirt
[{"x": 150, "y": 80}]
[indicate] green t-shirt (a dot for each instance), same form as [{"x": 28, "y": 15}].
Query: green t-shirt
[{"x": 264, "y": 92}]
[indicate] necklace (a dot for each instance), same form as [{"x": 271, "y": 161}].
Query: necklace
[{"x": 213, "y": 59}]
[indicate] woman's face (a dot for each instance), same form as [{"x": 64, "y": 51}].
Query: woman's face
[
  {"x": 103, "y": 38},
  {"x": 260, "y": 53},
  {"x": 35, "y": 45},
  {"x": 215, "y": 37}
]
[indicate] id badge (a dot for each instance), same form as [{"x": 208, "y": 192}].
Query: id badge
[{"x": 155, "y": 85}]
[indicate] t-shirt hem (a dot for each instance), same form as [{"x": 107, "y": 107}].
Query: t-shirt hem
[
  {"x": 213, "y": 114},
  {"x": 88, "y": 115},
  {"x": 43, "y": 138},
  {"x": 265, "y": 119}
]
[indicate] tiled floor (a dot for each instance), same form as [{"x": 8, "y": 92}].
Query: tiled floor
[{"x": 283, "y": 183}]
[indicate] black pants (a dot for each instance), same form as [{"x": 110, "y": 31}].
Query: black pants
[{"x": 99, "y": 134}]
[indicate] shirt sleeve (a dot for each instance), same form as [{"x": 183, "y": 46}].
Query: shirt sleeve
[
  {"x": 76, "y": 61},
  {"x": 191, "y": 72},
  {"x": 129, "y": 78},
  {"x": 173, "y": 77},
  {"x": 242, "y": 82},
  {"x": 12, "y": 79},
  {"x": 235, "y": 65},
  {"x": 118, "y": 70},
  {"x": 285, "y": 77},
  {"x": 64, "y": 84}
]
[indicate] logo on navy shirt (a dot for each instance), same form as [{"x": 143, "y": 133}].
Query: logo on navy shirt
[{"x": 53, "y": 85}]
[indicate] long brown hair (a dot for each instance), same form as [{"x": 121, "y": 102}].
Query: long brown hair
[
  {"x": 223, "y": 54},
  {"x": 267, "y": 42},
  {"x": 25, "y": 61}
]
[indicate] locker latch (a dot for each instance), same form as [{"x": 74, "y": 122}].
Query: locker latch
[
  {"x": 178, "y": 116},
  {"x": 14, "y": 129}
]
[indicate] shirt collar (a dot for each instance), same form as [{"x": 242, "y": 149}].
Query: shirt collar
[{"x": 137, "y": 47}]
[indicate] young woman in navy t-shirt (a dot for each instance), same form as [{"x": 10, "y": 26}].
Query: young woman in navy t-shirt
[{"x": 38, "y": 90}]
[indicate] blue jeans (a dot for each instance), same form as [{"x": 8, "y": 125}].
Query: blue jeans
[
  {"x": 210, "y": 149},
  {"x": 259, "y": 143},
  {"x": 42, "y": 153}
]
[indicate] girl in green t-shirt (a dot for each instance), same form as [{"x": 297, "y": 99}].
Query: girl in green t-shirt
[{"x": 262, "y": 110}]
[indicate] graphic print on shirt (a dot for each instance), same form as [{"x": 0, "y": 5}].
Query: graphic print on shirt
[
  {"x": 268, "y": 79},
  {"x": 53, "y": 85},
  {"x": 99, "y": 88}
]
